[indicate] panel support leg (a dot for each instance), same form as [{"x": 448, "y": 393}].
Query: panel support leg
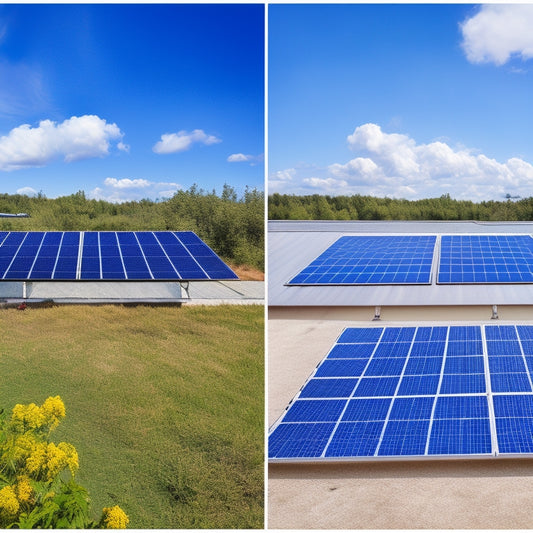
[
  {"x": 185, "y": 286},
  {"x": 377, "y": 313},
  {"x": 494, "y": 312}
]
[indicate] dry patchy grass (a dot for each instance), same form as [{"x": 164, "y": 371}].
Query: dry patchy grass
[{"x": 164, "y": 404}]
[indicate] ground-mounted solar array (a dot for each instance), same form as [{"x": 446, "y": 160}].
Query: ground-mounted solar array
[
  {"x": 414, "y": 392},
  {"x": 409, "y": 259},
  {"x": 108, "y": 255},
  {"x": 375, "y": 259}
]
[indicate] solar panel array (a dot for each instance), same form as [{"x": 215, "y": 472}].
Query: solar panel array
[
  {"x": 108, "y": 255},
  {"x": 376, "y": 259},
  {"x": 486, "y": 259},
  {"x": 408, "y": 259},
  {"x": 412, "y": 392}
]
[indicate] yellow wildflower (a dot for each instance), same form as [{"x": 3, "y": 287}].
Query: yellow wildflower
[
  {"x": 71, "y": 454},
  {"x": 53, "y": 409},
  {"x": 8, "y": 501},
  {"x": 115, "y": 518},
  {"x": 24, "y": 489},
  {"x": 56, "y": 460},
  {"x": 23, "y": 446},
  {"x": 37, "y": 460},
  {"x": 27, "y": 417}
]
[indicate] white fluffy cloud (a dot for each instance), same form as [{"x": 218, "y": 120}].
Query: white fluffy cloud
[
  {"x": 497, "y": 32},
  {"x": 73, "y": 139},
  {"x": 181, "y": 141},
  {"x": 392, "y": 164},
  {"x": 245, "y": 158},
  {"x": 128, "y": 190}
]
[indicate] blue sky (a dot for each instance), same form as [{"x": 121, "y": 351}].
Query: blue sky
[
  {"x": 131, "y": 101},
  {"x": 405, "y": 101}
]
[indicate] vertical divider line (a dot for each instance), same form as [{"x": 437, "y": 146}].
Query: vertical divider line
[
  {"x": 444, "y": 356},
  {"x": 524, "y": 357},
  {"x": 436, "y": 261},
  {"x": 36, "y": 255},
  {"x": 121, "y": 258},
  {"x": 166, "y": 255},
  {"x": 57, "y": 256},
  {"x": 348, "y": 400},
  {"x": 100, "y": 255},
  {"x": 80, "y": 255},
  {"x": 488, "y": 386},
  {"x": 15, "y": 255},
  {"x": 144, "y": 256},
  {"x": 395, "y": 393}
]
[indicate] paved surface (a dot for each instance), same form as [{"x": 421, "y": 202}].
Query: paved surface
[
  {"x": 204, "y": 293},
  {"x": 478, "y": 494}
]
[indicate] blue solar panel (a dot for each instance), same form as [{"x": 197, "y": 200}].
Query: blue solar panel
[
  {"x": 315, "y": 410},
  {"x": 108, "y": 255},
  {"x": 419, "y": 385},
  {"x": 510, "y": 382},
  {"x": 464, "y": 365},
  {"x": 366, "y": 409},
  {"x": 351, "y": 351},
  {"x": 358, "y": 439},
  {"x": 406, "y": 437},
  {"x": 428, "y": 349},
  {"x": 376, "y": 387},
  {"x": 299, "y": 440},
  {"x": 412, "y": 408},
  {"x": 462, "y": 384},
  {"x": 515, "y": 435},
  {"x": 423, "y": 365},
  {"x": 328, "y": 388},
  {"x": 385, "y": 405},
  {"x": 385, "y": 366},
  {"x": 335, "y": 368},
  {"x": 486, "y": 259},
  {"x": 356, "y": 260},
  {"x": 506, "y": 364},
  {"x": 458, "y": 436}
]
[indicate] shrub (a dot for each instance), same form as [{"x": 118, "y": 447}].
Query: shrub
[{"x": 37, "y": 477}]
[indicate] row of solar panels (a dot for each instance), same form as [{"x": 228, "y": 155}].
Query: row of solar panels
[
  {"x": 409, "y": 259},
  {"x": 108, "y": 255},
  {"x": 408, "y": 392}
]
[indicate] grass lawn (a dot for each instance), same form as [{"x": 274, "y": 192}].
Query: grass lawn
[{"x": 165, "y": 405}]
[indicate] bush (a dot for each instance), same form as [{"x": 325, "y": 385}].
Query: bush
[{"x": 37, "y": 477}]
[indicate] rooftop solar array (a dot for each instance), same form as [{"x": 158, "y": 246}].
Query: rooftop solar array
[
  {"x": 108, "y": 255},
  {"x": 414, "y": 392},
  {"x": 375, "y": 259},
  {"x": 408, "y": 259},
  {"x": 486, "y": 259}
]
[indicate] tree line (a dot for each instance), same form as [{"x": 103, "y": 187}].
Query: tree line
[
  {"x": 357, "y": 207},
  {"x": 233, "y": 226}
]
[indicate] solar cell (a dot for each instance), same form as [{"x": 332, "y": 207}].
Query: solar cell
[
  {"x": 358, "y": 439},
  {"x": 515, "y": 435},
  {"x": 406, "y": 437},
  {"x": 108, "y": 255},
  {"x": 328, "y": 388},
  {"x": 414, "y": 406},
  {"x": 376, "y": 259}
]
